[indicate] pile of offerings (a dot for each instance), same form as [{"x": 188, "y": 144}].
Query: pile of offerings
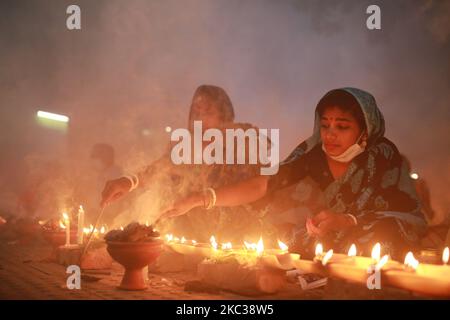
[
  {"x": 51, "y": 225},
  {"x": 134, "y": 232}
]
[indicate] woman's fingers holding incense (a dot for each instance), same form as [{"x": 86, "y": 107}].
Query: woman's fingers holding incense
[{"x": 114, "y": 190}]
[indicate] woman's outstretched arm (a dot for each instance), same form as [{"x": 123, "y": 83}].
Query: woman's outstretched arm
[{"x": 233, "y": 195}]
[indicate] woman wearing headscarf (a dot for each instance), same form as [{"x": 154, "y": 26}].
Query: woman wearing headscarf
[
  {"x": 163, "y": 182},
  {"x": 351, "y": 178}
]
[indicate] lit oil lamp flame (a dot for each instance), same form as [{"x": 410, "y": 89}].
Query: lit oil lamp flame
[
  {"x": 283, "y": 246},
  {"x": 183, "y": 239},
  {"x": 382, "y": 262},
  {"x": 319, "y": 250},
  {"x": 260, "y": 247},
  {"x": 227, "y": 246},
  {"x": 410, "y": 261},
  {"x": 213, "y": 242},
  {"x": 327, "y": 257},
  {"x": 352, "y": 251},
  {"x": 445, "y": 255},
  {"x": 376, "y": 252}
]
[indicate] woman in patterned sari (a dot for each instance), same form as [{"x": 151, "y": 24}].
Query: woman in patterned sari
[
  {"x": 351, "y": 180},
  {"x": 162, "y": 182}
]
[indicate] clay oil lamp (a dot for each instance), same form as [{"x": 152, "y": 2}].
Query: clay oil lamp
[
  {"x": 355, "y": 268},
  {"x": 317, "y": 265},
  {"x": 279, "y": 258},
  {"x": 426, "y": 279}
]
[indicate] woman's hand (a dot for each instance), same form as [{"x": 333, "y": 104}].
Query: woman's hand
[
  {"x": 114, "y": 190},
  {"x": 182, "y": 206},
  {"x": 327, "y": 221}
]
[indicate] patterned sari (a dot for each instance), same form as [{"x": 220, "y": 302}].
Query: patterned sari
[{"x": 376, "y": 189}]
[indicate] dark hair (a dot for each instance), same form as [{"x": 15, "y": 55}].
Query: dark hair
[
  {"x": 217, "y": 96},
  {"x": 104, "y": 152},
  {"x": 346, "y": 102}
]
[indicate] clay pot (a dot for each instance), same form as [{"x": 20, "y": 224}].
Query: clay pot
[{"x": 134, "y": 256}]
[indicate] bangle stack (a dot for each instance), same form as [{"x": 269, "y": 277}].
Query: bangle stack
[
  {"x": 209, "y": 198},
  {"x": 134, "y": 181},
  {"x": 353, "y": 218}
]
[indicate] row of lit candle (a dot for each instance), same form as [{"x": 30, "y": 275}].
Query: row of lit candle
[
  {"x": 82, "y": 231},
  {"x": 348, "y": 266}
]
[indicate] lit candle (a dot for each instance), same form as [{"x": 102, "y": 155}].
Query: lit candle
[
  {"x": 67, "y": 225},
  {"x": 80, "y": 225},
  {"x": 445, "y": 256},
  {"x": 376, "y": 252}
]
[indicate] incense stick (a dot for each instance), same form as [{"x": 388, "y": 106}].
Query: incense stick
[{"x": 92, "y": 232}]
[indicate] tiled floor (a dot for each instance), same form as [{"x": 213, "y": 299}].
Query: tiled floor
[{"x": 24, "y": 275}]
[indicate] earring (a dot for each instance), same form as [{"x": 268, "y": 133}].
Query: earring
[{"x": 364, "y": 143}]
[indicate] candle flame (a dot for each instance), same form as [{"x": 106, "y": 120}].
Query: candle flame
[
  {"x": 81, "y": 208},
  {"x": 282, "y": 246},
  {"x": 169, "y": 237},
  {"x": 260, "y": 246},
  {"x": 410, "y": 261},
  {"x": 213, "y": 242},
  {"x": 376, "y": 252},
  {"x": 61, "y": 225},
  {"x": 183, "y": 239},
  {"x": 65, "y": 216},
  {"x": 327, "y": 257},
  {"x": 194, "y": 242},
  {"x": 102, "y": 230},
  {"x": 352, "y": 250},
  {"x": 319, "y": 250},
  {"x": 121, "y": 228},
  {"x": 382, "y": 262},
  {"x": 445, "y": 255},
  {"x": 146, "y": 223}
]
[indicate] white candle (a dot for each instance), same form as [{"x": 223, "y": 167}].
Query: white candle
[{"x": 80, "y": 225}]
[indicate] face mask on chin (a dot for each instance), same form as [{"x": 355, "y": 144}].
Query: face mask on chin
[{"x": 349, "y": 154}]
